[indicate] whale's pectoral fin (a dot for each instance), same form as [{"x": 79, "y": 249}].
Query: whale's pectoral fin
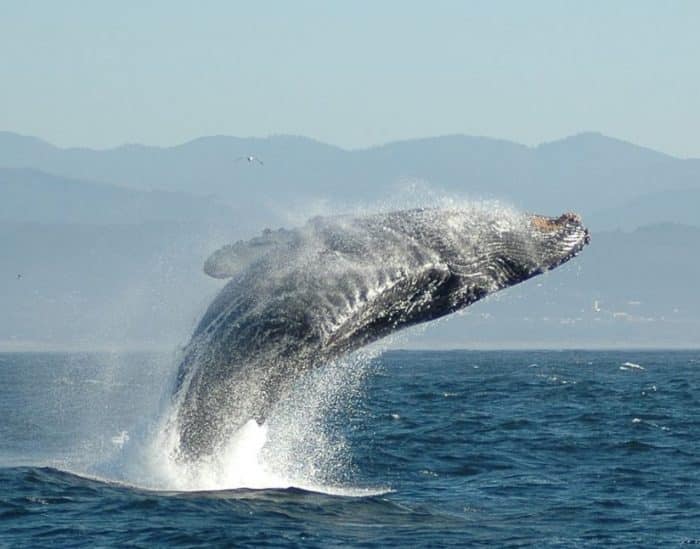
[{"x": 234, "y": 258}]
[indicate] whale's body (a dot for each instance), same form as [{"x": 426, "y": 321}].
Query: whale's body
[{"x": 299, "y": 299}]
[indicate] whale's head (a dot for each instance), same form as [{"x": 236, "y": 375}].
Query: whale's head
[
  {"x": 442, "y": 260},
  {"x": 498, "y": 250}
]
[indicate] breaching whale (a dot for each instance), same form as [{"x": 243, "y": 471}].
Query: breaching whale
[{"x": 300, "y": 298}]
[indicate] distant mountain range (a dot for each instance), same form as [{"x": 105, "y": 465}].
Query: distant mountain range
[
  {"x": 110, "y": 243},
  {"x": 590, "y": 173}
]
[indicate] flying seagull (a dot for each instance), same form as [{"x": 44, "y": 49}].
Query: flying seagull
[{"x": 250, "y": 159}]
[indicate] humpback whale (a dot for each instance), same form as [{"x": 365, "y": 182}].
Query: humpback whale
[{"x": 298, "y": 299}]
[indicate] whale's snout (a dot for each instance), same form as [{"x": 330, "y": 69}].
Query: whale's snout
[{"x": 561, "y": 238}]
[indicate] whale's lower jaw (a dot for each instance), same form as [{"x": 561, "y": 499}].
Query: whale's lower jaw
[{"x": 323, "y": 292}]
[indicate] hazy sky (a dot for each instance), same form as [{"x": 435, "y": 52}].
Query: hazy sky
[{"x": 354, "y": 74}]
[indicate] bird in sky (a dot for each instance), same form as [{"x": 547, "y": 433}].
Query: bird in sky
[
  {"x": 250, "y": 159},
  {"x": 19, "y": 275}
]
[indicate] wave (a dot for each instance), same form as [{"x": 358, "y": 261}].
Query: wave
[{"x": 67, "y": 477}]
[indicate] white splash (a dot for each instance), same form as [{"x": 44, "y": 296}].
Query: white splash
[{"x": 295, "y": 448}]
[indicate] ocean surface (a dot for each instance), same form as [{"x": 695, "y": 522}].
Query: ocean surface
[{"x": 410, "y": 449}]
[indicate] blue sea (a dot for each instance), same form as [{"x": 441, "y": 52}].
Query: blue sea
[{"x": 417, "y": 449}]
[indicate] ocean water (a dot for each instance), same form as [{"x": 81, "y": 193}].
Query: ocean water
[{"x": 506, "y": 449}]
